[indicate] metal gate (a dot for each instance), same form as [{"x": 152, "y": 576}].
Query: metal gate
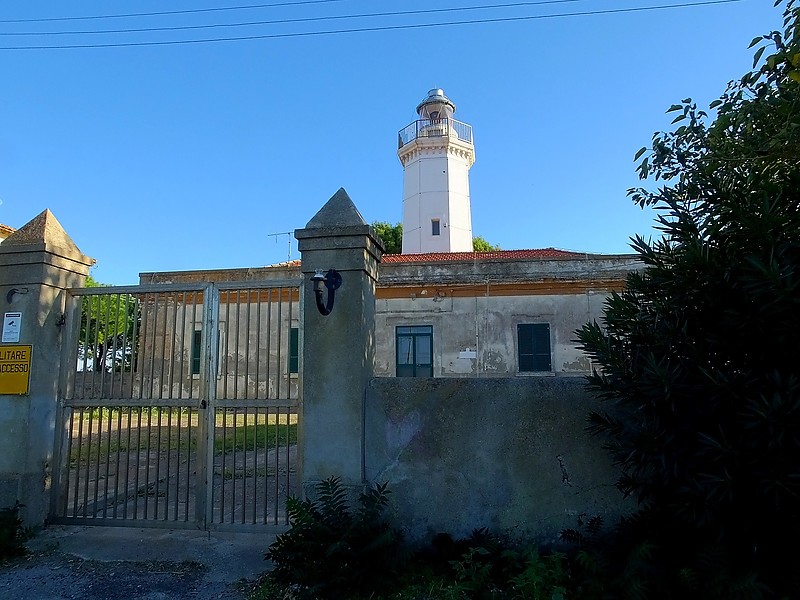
[{"x": 178, "y": 405}]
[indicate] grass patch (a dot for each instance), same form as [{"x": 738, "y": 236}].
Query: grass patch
[
  {"x": 113, "y": 433},
  {"x": 255, "y": 436}
]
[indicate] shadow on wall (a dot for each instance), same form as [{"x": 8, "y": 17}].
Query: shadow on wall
[{"x": 508, "y": 454}]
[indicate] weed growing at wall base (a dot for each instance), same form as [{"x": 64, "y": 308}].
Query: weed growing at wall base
[
  {"x": 13, "y": 534},
  {"x": 326, "y": 556},
  {"x": 333, "y": 550}
]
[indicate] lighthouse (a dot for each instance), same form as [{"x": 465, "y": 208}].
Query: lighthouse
[{"x": 436, "y": 152}]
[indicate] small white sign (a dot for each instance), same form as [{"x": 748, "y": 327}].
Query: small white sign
[
  {"x": 468, "y": 354},
  {"x": 11, "y": 323}
]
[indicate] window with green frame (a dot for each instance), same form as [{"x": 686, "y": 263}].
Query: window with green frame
[
  {"x": 533, "y": 347},
  {"x": 294, "y": 350},
  {"x": 414, "y": 351},
  {"x": 197, "y": 341},
  {"x": 197, "y": 349}
]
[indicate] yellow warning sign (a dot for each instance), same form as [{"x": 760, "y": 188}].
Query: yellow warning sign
[{"x": 15, "y": 369}]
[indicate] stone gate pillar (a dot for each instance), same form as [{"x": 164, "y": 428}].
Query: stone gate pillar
[
  {"x": 338, "y": 349},
  {"x": 37, "y": 263}
]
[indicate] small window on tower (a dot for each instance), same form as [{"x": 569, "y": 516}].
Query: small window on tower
[{"x": 435, "y": 227}]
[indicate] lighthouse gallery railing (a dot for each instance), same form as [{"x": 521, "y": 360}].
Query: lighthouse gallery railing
[{"x": 434, "y": 128}]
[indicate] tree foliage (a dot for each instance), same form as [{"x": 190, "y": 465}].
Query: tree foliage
[
  {"x": 392, "y": 236},
  {"x": 107, "y": 331},
  {"x": 481, "y": 245},
  {"x": 698, "y": 355}
]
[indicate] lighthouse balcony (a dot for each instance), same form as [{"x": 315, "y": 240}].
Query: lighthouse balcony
[{"x": 428, "y": 128}]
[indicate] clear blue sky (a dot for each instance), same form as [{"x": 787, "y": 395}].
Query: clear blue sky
[{"x": 188, "y": 156}]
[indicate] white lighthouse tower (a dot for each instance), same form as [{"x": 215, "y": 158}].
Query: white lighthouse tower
[{"x": 436, "y": 152}]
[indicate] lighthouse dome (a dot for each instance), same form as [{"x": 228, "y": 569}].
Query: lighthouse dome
[{"x": 436, "y": 105}]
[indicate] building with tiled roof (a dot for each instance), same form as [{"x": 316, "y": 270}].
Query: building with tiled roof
[
  {"x": 443, "y": 311},
  {"x": 483, "y": 314},
  {"x": 490, "y": 314}
]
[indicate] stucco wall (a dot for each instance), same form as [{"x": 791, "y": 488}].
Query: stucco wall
[
  {"x": 488, "y": 326},
  {"x": 508, "y": 454},
  {"x": 590, "y": 268}
]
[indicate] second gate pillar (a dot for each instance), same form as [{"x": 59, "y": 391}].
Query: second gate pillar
[{"x": 339, "y": 347}]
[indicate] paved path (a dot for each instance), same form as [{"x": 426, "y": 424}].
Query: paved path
[{"x": 99, "y": 563}]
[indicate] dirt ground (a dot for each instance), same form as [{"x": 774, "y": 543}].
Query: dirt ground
[{"x": 94, "y": 563}]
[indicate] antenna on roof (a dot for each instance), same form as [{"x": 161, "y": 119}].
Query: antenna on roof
[{"x": 289, "y": 235}]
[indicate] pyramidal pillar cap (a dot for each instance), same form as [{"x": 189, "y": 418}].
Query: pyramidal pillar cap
[
  {"x": 341, "y": 224},
  {"x": 44, "y": 232},
  {"x": 339, "y": 210}
]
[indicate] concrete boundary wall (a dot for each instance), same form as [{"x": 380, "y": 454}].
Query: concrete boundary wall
[{"x": 508, "y": 454}]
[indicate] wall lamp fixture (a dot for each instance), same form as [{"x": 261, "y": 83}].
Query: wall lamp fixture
[
  {"x": 331, "y": 280},
  {"x": 13, "y": 291}
]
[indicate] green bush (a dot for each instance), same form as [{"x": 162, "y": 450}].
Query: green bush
[
  {"x": 696, "y": 357},
  {"x": 482, "y": 567},
  {"x": 650, "y": 556},
  {"x": 334, "y": 551}
]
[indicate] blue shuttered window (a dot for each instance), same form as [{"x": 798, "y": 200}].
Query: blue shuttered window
[
  {"x": 294, "y": 350},
  {"x": 197, "y": 337},
  {"x": 534, "y": 347}
]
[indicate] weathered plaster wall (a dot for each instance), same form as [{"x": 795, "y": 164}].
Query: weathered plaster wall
[
  {"x": 588, "y": 268},
  {"x": 508, "y": 454},
  {"x": 488, "y": 326},
  {"x": 477, "y": 305},
  {"x": 272, "y": 273}
]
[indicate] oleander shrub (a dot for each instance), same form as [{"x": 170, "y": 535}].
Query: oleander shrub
[{"x": 697, "y": 368}]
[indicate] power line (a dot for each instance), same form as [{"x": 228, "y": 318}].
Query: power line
[
  {"x": 290, "y": 21},
  {"x": 171, "y": 12},
  {"x": 375, "y": 29}
]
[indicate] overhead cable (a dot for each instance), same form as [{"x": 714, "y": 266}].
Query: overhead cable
[
  {"x": 171, "y": 12},
  {"x": 290, "y": 21},
  {"x": 373, "y": 29}
]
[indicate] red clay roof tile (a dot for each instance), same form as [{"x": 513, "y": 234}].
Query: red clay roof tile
[{"x": 541, "y": 253}]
